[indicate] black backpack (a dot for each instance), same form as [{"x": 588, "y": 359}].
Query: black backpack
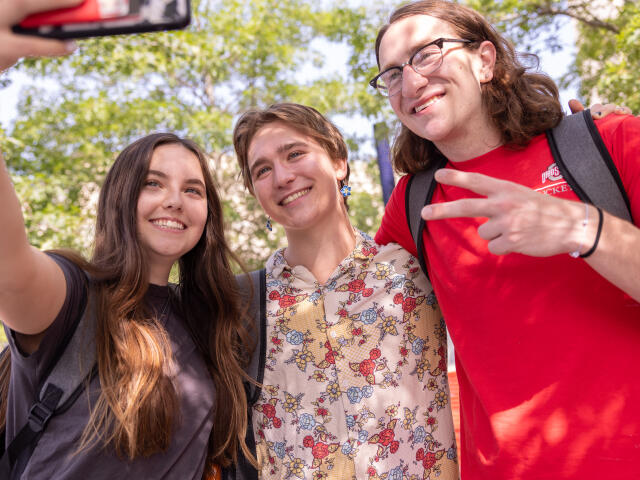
[
  {"x": 67, "y": 379},
  {"x": 580, "y": 155}
]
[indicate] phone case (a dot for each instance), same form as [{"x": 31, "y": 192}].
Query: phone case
[
  {"x": 95, "y": 18},
  {"x": 89, "y": 11}
]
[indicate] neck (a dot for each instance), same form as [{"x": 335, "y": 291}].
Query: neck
[
  {"x": 159, "y": 273},
  {"x": 477, "y": 139},
  {"x": 321, "y": 249}
]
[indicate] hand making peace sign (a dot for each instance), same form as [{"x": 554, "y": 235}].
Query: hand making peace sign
[{"x": 520, "y": 220}]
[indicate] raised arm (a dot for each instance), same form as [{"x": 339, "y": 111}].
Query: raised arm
[{"x": 32, "y": 286}]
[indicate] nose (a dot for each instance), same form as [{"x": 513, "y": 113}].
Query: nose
[
  {"x": 412, "y": 82},
  {"x": 172, "y": 199},
  {"x": 282, "y": 175}
]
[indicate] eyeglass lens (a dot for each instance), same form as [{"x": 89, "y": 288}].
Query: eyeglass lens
[{"x": 424, "y": 62}]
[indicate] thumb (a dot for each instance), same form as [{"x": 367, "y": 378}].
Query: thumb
[{"x": 575, "y": 106}]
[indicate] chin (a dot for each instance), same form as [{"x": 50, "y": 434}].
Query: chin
[{"x": 433, "y": 133}]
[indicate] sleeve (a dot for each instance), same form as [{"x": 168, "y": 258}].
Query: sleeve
[
  {"x": 621, "y": 134},
  {"x": 73, "y": 306},
  {"x": 395, "y": 226}
]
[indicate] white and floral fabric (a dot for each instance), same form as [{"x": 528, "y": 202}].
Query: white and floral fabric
[{"x": 355, "y": 383}]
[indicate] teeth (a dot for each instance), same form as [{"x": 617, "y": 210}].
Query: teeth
[
  {"x": 294, "y": 196},
  {"x": 169, "y": 224},
  {"x": 430, "y": 102}
]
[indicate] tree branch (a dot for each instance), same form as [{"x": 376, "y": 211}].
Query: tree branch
[{"x": 592, "y": 22}]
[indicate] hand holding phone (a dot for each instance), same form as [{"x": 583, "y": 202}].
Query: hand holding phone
[
  {"x": 95, "y": 18},
  {"x": 14, "y": 47}
]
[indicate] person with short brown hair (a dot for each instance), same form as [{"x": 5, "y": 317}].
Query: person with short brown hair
[{"x": 355, "y": 382}]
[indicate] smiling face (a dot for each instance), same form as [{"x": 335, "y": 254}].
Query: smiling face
[
  {"x": 446, "y": 106},
  {"x": 172, "y": 206},
  {"x": 293, "y": 177}
]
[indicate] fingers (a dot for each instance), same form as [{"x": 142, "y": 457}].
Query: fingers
[
  {"x": 12, "y": 11},
  {"x": 467, "y": 207},
  {"x": 623, "y": 110},
  {"x": 38, "y": 47},
  {"x": 605, "y": 109},
  {"x": 575, "y": 106},
  {"x": 17, "y": 46},
  {"x": 476, "y": 182},
  {"x": 500, "y": 246},
  {"x": 490, "y": 230},
  {"x": 600, "y": 111},
  {"x": 13, "y": 47}
]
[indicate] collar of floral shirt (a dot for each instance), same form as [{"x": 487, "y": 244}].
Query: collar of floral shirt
[{"x": 365, "y": 249}]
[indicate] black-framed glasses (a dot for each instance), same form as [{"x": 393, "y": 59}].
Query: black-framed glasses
[{"x": 424, "y": 61}]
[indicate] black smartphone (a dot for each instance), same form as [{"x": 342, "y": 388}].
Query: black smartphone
[{"x": 95, "y": 18}]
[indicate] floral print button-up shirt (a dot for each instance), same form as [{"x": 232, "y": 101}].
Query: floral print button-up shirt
[{"x": 355, "y": 383}]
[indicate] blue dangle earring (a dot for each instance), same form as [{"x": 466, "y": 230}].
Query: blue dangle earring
[
  {"x": 269, "y": 225},
  {"x": 345, "y": 191}
]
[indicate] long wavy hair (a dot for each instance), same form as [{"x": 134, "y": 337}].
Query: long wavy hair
[
  {"x": 138, "y": 405},
  {"x": 520, "y": 103}
]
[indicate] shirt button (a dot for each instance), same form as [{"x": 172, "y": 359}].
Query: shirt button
[{"x": 334, "y": 334}]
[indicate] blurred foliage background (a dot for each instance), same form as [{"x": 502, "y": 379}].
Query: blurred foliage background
[{"x": 238, "y": 54}]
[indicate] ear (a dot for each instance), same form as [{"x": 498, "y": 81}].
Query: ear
[
  {"x": 487, "y": 56},
  {"x": 340, "y": 166}
]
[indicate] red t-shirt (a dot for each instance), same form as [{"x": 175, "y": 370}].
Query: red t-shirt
[{"x": 547, "y": 351}]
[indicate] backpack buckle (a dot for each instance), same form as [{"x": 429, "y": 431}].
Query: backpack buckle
[
  {"x": 39, "y": 415},
  {"x": 41, "y": 411}
]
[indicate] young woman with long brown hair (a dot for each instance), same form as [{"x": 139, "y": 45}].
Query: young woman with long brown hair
[
  {"x": 159, "y": 351},
  {"x": 167, "y": 400}
]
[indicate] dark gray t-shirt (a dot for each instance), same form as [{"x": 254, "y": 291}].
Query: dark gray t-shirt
[{"x": 53, "y": 457}]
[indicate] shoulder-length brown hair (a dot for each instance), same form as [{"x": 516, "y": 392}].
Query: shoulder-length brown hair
[
  {"x": 521, "y": 104},
  {"x": 138, "y": 405}
]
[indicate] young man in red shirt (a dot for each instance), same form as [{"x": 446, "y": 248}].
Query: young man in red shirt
[{"x": 544, "y": 341}]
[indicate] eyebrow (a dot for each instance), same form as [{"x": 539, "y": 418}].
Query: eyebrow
[
  {"x": 285, "y": 147},
  {"x": 189, "y": 181},
  {"x": 408, "y": 53}
]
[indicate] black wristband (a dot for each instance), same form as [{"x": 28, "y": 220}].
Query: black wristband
[{"x": 595, "y": 243}]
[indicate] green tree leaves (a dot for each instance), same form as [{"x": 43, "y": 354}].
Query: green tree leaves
[
  {"x": 239, "y": 54},
  {"x": 608, "y": 55},
  {"x": 235, "y": 55}
]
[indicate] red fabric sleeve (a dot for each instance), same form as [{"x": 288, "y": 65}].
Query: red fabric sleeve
[
  {"x": 622, "y": 135},
  {"x": 394, "y": 226}
]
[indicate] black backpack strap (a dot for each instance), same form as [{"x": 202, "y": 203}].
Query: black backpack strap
[
  {"x": 419, "y": 193},
  {"x": 586, "y": 165},
  {"x": 5, "y": 352},
  {"x": 255, "y": 291},
  {"x": 65, "y": 382},
  {"x": 19, "y": 451},
  {"x": 78, "y": 361},
  {"x": 255, "y": 368}
]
